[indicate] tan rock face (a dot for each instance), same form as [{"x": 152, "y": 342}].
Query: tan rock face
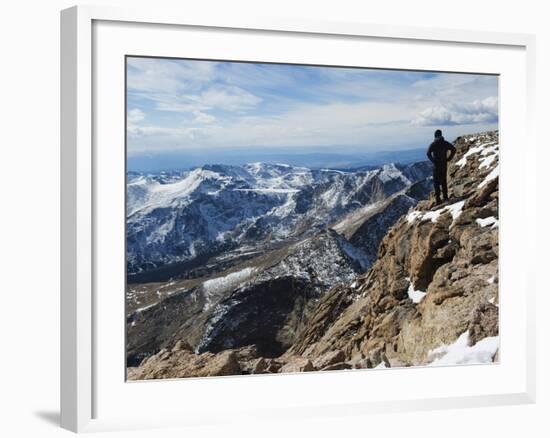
[
  {"x": 183, "y": 363},
  {"x": 178, "y": 363}
]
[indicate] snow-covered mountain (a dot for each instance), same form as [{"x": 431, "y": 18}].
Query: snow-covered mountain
[{"x": 220, "y": 210}]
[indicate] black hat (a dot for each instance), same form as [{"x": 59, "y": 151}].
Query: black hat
[{"x": 438, "y": 133}]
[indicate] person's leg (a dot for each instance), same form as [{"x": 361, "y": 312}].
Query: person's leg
[
  {"x": 437, "y": 185},
  {"x": 443, "y": 181}
]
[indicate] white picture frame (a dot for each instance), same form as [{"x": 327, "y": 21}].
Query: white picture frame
[{"x": 84, "y": 175}]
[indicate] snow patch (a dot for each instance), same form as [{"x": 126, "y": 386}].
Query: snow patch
[
  {"x": 491, "y": 176},
  {"x": 485, "y": 222},
  {"x": 390, "y": 172},
  {"x": 471, "y": 151},
  {"x": 454, "y": 209},
  {"x": 460, "y": 353},
  {"x": 485, "y": 162},
  {"x": 488, "y": 151},
  {"x": 415, "y": 295}
]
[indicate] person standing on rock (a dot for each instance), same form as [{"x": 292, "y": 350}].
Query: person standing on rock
[{"x": 438, "y": 155}]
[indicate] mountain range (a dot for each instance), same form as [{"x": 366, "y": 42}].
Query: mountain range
[{"x": 178, "y": 221}]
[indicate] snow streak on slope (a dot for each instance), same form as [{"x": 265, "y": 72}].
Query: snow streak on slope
[{"x": 229, "y": 281}]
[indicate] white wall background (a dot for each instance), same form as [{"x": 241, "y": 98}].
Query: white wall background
[{"x": 29, "y": 214}]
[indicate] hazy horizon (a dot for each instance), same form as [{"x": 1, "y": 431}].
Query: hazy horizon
[{"x": 305, "y": 158}]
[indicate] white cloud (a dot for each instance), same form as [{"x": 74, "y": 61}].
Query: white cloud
[
  {"x": 203, "y": 118},
  {"x": 228, "y": 98},
  {"x": 168, "y": 135},
  {"x": 135, "y": 115},
  {"x": 149, "y": 75},
  {"x": 476, "y": 112}
]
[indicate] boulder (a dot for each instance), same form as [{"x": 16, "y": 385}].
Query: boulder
[
  {"x": 297, "y": 364},
  {"x": 259, "y": 366},
  {"x": 329, "y": 358}
]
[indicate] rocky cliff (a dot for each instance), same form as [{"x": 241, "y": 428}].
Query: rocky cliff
[
  {"x": 435, "y": 279},
  {"x": 430, "y": 297}
]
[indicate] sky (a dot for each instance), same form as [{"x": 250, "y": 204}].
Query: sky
[{"x": 218, "y": 111}]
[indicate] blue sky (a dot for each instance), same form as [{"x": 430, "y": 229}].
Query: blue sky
[{"x": 179, "y": 106}]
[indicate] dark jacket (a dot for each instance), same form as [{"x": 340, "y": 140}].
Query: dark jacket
[{"x": 437, "y": 152}]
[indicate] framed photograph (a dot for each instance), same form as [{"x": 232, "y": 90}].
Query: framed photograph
[{"x": 261, "y": 208}]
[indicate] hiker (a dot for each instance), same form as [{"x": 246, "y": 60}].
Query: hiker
[{"x": 437, "y": 153}]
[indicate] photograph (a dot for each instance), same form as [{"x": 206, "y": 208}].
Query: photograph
[{"x": 288, "y": 218}]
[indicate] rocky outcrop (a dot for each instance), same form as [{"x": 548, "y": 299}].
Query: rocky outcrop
[
  {"x": 179, "y": 361},
  {"x": 183, "y": 363}
]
